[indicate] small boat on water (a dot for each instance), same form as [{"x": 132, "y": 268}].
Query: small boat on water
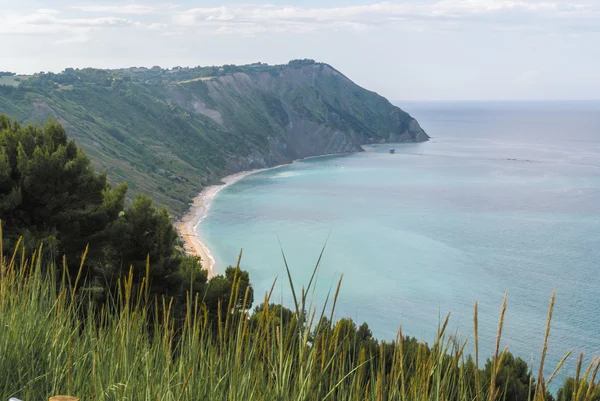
[{"x": 392, "y": 151}]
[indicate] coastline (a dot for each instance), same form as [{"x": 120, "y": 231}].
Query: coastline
[{"x": 187, "y": 227}]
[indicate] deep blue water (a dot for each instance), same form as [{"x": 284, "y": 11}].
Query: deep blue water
[{"x": 505, "y": 197}]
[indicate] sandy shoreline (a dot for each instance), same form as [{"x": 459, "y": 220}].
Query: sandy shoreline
[{"x": 188, "y": 226}]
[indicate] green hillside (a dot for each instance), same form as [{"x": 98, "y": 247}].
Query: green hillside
[{"x": 170, "y": 132}]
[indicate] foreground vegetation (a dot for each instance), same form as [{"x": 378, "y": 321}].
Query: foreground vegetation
[
  {"x": 51, "y": 195},
  {"x": 55, "y": 340}
]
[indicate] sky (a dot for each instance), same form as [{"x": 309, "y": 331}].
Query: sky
[{"x": 404, "y": 50}]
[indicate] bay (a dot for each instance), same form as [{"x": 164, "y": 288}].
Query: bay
[{"x": 505, "y": 197}]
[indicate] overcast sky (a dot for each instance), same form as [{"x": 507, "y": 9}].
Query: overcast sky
[{"x": 405, "y": 50}]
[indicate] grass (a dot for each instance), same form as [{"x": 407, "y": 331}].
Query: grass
[
  {"x": 187, "y": 81},
  {"x": 13, "y": 80},
  {"x": 55, "y": 340}
]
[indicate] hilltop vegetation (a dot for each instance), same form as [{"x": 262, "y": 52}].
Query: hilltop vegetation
[{"x": 170, "y": 132}]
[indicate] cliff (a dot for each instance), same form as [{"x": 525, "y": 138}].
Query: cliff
[{"x": 169, "y": 132}]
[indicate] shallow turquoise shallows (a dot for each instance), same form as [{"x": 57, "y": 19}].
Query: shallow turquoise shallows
[{"x": 505, "y": 196}]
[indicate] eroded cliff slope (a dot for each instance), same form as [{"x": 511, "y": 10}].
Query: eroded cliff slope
[{"x": 169, "y": 132}]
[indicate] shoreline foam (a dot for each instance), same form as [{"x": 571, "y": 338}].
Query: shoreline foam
[{"x": 187, "y": 227}]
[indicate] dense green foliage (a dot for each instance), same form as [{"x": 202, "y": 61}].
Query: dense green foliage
[
  {"x": 578, "y": 389},
  {"x": 48, "y": 348},
  {"x": 169, "y": 132},
  {"x": 51, "y": 196}
]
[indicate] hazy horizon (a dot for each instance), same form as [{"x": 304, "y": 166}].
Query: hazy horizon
[{"x": 412, "y": 49}]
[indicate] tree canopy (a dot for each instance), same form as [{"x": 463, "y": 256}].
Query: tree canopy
[{"x": 51, "y": 196}]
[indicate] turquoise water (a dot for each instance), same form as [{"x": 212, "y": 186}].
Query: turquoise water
[{"x": 506, "y": 196}]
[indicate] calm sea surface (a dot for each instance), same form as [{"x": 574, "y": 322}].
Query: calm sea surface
[{"x": 505, "y": 197}]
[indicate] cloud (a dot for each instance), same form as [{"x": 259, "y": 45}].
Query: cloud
[
  {"x": 47, "y": 11},
  {"x": 568, "y": 17},
  {"x": 135, "y": 9},
  {"x": 44, "y": 21},
  {"x": 452, "y": 14},
  {"x": 155, "y": 26},
  {"x": 92, "y": 22}
]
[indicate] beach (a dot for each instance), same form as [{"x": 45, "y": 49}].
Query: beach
[{"x": 188, "y": 226}]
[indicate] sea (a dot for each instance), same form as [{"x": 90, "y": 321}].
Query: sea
[{"x": 504, "y": 199}]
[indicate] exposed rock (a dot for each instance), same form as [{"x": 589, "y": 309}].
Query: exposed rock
[{"x": 307, "y": 111}]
